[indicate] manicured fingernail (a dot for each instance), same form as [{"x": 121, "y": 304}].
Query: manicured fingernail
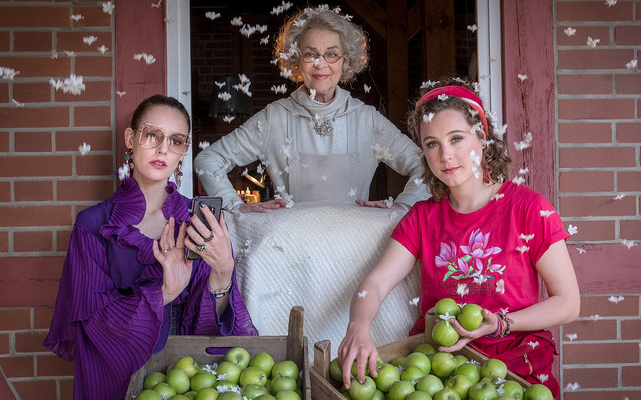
[{"x": 201, "y": 204}]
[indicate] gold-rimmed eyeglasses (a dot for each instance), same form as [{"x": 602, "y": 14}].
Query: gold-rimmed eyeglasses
[
  {"x": 152, "y": 136},
  {"x": 312, "y": 57}
]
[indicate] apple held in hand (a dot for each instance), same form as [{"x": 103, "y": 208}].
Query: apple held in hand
[
  {"x": 537, "y": 392},
  {"x": 362, "y": 391},
  {"x": 238, "y": 356},
  {"x": 447, "y": 306},
  {"x": 471, "y": 316},
  {"x": 444, "y": 333}
]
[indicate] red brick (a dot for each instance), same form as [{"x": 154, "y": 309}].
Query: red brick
[
  {"x": 15, "y": 319},
  {"x": 601, "y": 305},
  {"x": 62, "y": 240},
  {"x": 33, "y": 190},
  {"x": 31, "y": 166},
  {"x": 4, "y": 92},
  {"x": 631, "y": 375},
  {"x": 17, "y": 367},
  {"x": 594, "y": 58},
  {"x": 94, "y": 91},
  {"x": 66, "y": 388},
  {"x": 585, "y": 84},
  {"x": 32, "y": 41},
  {"x": 596, "y": 206},
  {"x": 71, "y": 140},
  {"x": 30, "y": 17},
  {"x": 629, "y": 132},
  {"x": 586, "y": 181},
  {"x": 36, "y": 117},
  {"x": 5, "y": 142},
  {"x": 36, "y": 389},
  {"x": 33, "y": 141},
  {"x": 73, "y": 41},
  {"x": 604, "y": 329},
  {"x": 602, "y": 395},
  {"x": 28, "y": 92},
  {"x": 84, "y": 190},
  {"x": 40, "y": 66},
  {"x": 30, "y": 342},
  {"x": 593, "y": 11},
  {"x": 4, "y": 345},
  {"x": 32, "y": 241},
  {"x": 5, "y": 192},
  {"x": 29, "y": 293},
  {"x": 93, "y": 16},
  {"x": 631, "y": 229},
  {"x": 95, "y": 165},
  {"x": 95, "y": 66},
  {"x": 597, "y": 157},
  {"x": 42, "y": 317},
  {"x": 627, "y": 35},
  {"x": 629, "y": 181},
  {"x": 592, "y": 377},
  {"x": 54, "y": 366},
  {"x": 614, "y": 108},
  {"x": 581, "y": 35},
  {"x": 5, "y": 41},
  {"x": 4, "y": 242},
  {"x": 631, "y": 329},
  {"x": 35, "y": 216},
  {"x": 600, "y": 353},
  {"x": 594, "y": 231},
  {"x": 628, "y": 84},
  {"x": 98, "y": 116}
]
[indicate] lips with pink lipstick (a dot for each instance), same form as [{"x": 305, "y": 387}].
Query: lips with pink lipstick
[{"x": 158, "y": 164}]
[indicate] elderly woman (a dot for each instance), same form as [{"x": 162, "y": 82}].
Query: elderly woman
[{"x": 320, "y": 144}]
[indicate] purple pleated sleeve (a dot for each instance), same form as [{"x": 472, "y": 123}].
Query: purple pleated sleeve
[{"x": 109, "y": 316}]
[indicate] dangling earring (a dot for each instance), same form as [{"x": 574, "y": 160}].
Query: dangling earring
[
  {"x": 129, "y": 159},
  {"x": 178, "y": 174}
]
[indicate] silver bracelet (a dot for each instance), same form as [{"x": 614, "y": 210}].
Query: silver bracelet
[{"x": 220, "y": 293}]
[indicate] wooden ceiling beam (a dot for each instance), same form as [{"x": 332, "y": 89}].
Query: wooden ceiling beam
[{"x": 372, "y": 13}]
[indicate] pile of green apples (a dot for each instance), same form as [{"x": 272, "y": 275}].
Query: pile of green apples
[
  {"x": 470, "y": 316},
  {"x": 426, "y": 374},
  {"x": 238, "y": 377}
]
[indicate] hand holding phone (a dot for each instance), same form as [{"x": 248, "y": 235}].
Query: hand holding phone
[{"x": 215, "y": 205}]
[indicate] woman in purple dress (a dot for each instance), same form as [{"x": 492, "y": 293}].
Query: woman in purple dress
[{"x": 126, "y": 284}]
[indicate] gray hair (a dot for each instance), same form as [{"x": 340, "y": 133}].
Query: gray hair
[{"x": 354, "y": 42}]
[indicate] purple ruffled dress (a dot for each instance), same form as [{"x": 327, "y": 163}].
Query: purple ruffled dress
[{"x": 109, "y": 316}]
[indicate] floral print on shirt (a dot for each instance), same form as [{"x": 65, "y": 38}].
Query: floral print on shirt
[{"x": 475, "y": 262}]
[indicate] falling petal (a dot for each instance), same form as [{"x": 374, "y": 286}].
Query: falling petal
[
  {"x": 616, "y": 299},
  {"x": 120, "y": 93},
  {"x": 89, "y": 39},
  {"x": 428, "y": 117},
  {"x": 362, "y": 294},
  {"x": 352, "y": 192},
  {"x": 228, "y": 118},
  {"x": 389, "y": 202},
  {"x": 543, "y": 377},
  {"x": 592, "y": 42},
  {"x": 8, "y": 73},
  {"x": 523, "y": 171},
  {"x": 595, "y": 317},
  {"x": 569, "y": 31},
  {"x": 498, "y": 196},
  {"x": 224, "y": 96},
  {"x": 418, "y": 181},
  {"x": 264, "y": 40},
  {"x": 628, "y": 243},
  {"x": 610, "y": 3},
  {"x": 522, "y": 249},
  {"x": 16, "y": 103},
  {"x": 366, "y": 88},
  {"x": 443, "y": 97},
  {"x": 77, "y": 17},
  {"x": 123, "y": 172},
  {"x": 580, "y": 249},
  {"x": 525, "y": 237},
  {"x": 286, "y": 73},
  {"x": 103, "y": 49},
  {"x": 522, "y": 77},
  {"x": 572, "y": 386},
  {"x": 545, "y": 213},
  {"x": 312, "y": 94},
  {"x": 571, "y": 336},
  {"x": 381, "y": 153},
  {"x": 429, "y": 84},
  {"x": 212, "y": 15},
  {"x": 572, "y": 230},
  {"x": 462, "y": 289},
  {"x": 156, "y": 5},
  {"x": 472, "y": 28},
  {"x": 237, "y": 21},
  {"x": 632, "y": 64},
  {"x": 619, "y": 196},
  {"x": 518, "y": 180},
  {"x": 108, "y": 7},
  {"x": 414, "y": 301},
  {"x": 533, "y": 344},
  {"x": 204, "y": 145},
  {"x": 84, "y": 149}
]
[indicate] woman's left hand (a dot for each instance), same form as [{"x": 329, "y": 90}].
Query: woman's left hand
[
  {"x": 488, "y": 327},
  {"x": 379, "y": 204},
  {"x": 170, "y": 254},
  {"x": 214, "y": 246}
]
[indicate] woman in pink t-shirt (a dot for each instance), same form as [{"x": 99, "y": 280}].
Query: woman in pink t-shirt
[{"x": 481, "y": 239}]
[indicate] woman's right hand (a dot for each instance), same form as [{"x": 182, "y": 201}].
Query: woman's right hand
[
  {"x": 171, "y": 256},
  {"x": 262, "y": 207},
  {"x": 357, "y": 345}
]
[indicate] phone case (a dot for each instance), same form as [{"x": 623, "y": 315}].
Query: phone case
[{"x": 215, "y": 204}]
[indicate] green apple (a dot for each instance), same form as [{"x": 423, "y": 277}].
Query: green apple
[
  {"x": 494, "y": 369},
  {"x": 179, "y": 397},
  {"x": 537, "y": 392},
  {"x": 252, "y": 391},
  {"x": 335, "y": 370},
  {"x": 444, "y": 333},
  {"x": 239, "y": 356},
  {"x": 253, "y": 376},
  {"x": 447, "y": 306},
  {"x": 430, "y": 384},
  {"x": 282, "y": 383},
  {"x": 418, "y": 395},
  {"x": 265, "y": 397},
  {"x": 263, "y": 361},
  {"x": 412, "y": 373},
  {"x": 230, "y": 396},
  {"x": 399, "y": 361},
  {"x": 471, "y": 316},
  {"x": 179, "y": 379},
  {"x": 424, "y": 348},
  {"x": 202, "y": 379},
  {"x": 387, "y": 374},
  {"x": 285, "y": 368},
  {"x": 165, "y": 390},
  {"x": 229, "y": 371},
  {"x": 513, "y": 389},
  {"x": 378, "y": 395},
  {"x": 443, "y": 364},
  {"x": 287, "y": 395},
  {"x": 447, "y": 394},
  {"x": 191, "y": 395},
  {"x": 207, "y": 394},
  {"x": 419, "y": 360},
  {"x": 149, "y": 394},
  {"x": 483, "y": 391},
  {"x": 189, "y": 365},
  {"x": 461, "y": 384},
  {"x": 400, "y": 390},
  {"x": 362, "y": 391},
  {"x": 170, "y": 367},
  {"x": 152, "y": 379},
  {"x": 471, "y": 370},
  {"x": 460, "y": 359}
]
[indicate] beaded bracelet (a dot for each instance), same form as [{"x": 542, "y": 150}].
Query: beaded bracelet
[
  {"x": 503, "y": 325},
  {"x": 222, "y": 292}
]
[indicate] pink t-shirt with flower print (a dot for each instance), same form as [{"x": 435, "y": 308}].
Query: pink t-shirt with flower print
[{"x": 486, "y": 257}]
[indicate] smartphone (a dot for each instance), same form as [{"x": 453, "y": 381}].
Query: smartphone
[{"x": 215, "y": 204}]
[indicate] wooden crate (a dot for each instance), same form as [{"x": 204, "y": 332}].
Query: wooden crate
[
  {"x": 291, "y": 347},
  {"x": 325, "y": 388}
]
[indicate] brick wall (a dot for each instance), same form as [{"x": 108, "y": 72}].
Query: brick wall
[
  {"x": 598, "y": 107},
  {"x": 44, "y": 180}
]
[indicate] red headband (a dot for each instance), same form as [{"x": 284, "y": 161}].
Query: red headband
[{"x": 460, "y": 92}]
